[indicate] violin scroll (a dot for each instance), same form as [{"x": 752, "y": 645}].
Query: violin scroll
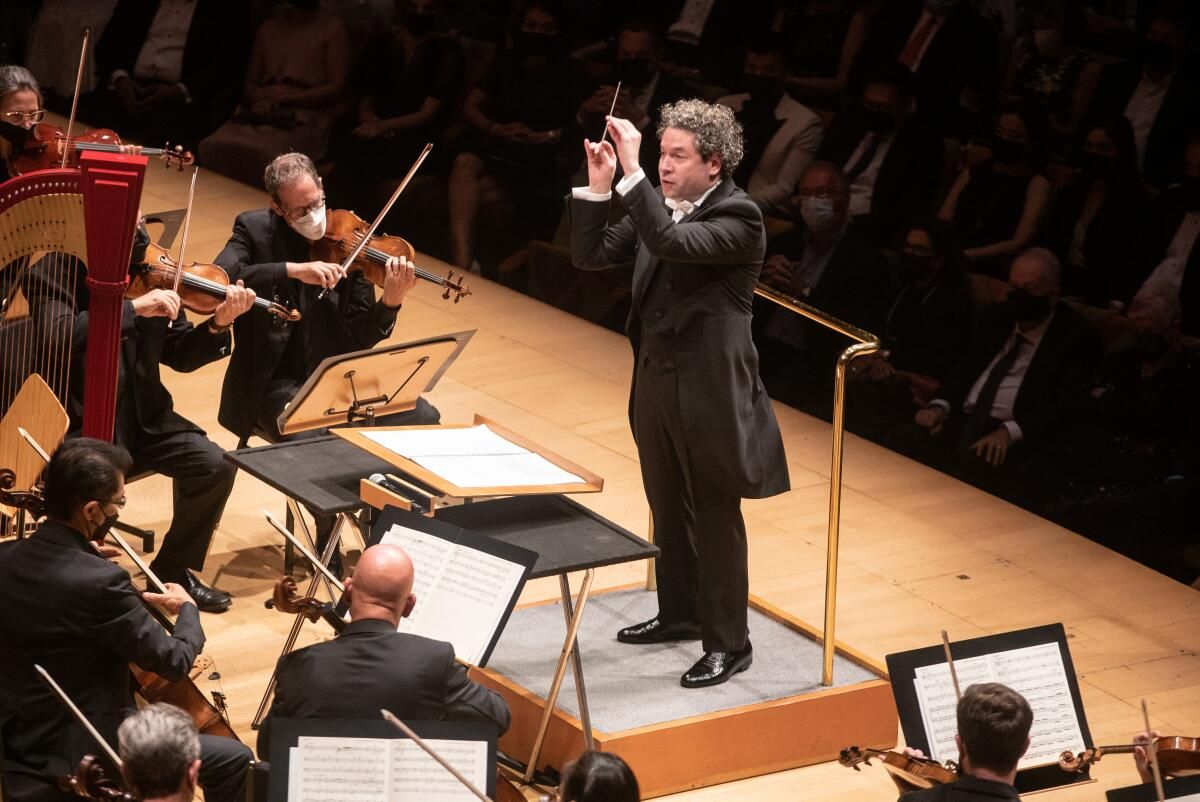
[
  {"x": 1074, "y": 763},
  {"x": 90, "y": 781}
]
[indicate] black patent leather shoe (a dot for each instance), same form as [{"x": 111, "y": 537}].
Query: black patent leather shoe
[
  {"x": 655, "y": 631},
  {"x": 208, "y": 600},
  {"x": 717, "y": 667}
]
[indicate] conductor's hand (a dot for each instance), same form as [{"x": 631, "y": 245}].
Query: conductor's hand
[
  {"x": 602, "y": 166},
  {"x": 932, "y": 418},
  {"x": 238, "y": 299},
  {"x": 399, "y": 277},
  {"x": 628, "y": 140},
  {"x": 172, "y": 600},
  {"x": 319, "y": 274},
  {"x": 157, "y": 303}
]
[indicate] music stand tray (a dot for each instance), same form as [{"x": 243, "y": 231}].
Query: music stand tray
[{"x": 365, "y": 385}]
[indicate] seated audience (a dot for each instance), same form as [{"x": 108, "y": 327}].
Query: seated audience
[
  {"x": 1095, "y": 220},
  {"x": 1025, "y": 374},
  {"x": 598, "y": 777},
  {"x": 781, "y": 136},
  {"x": 824, "y": 38},
  {"x": 371, "y": 666},
  {"x": 894, "y": 164},
  {"x": 922, "y": 333},
  {"x": 515, "y": 118},
  {"x": 168, "y": 71},
  {"x": 1049, "y": 68},
  {"x": 993, "y": 735},
  {"x": 997, "y": 206},
  {"x": 828, "y": 264},
  {"x": 160, "y": 752},
  {"x": 1159, "y": 92},
  {"x": 294, "y": 91}
]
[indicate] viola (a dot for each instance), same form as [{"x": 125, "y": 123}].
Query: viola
[
  {"x": 909, "y": 773},
  {"x": 1177, "y": 756},
  {"x": 344, "y": 230},
  {"x": 91, "y": 781},
  {"x": 46, "y": 144},
  {"x": 201, "y": 286},
  {"x": 287, "y": 599}
]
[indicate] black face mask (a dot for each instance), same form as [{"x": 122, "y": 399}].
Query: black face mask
[
  {"x": 101, "y": 531},
  {"x": 915, "y": 267},
  {"x": 417, "y": 24},
  {"x": 634, "y": 72},
  {"x": 15, "y": 135},
  {"x": 1024, "y": 305},
  {"x": 1097, "y": 165},
  {"x": 1189, "y": 187},
  {"x": 1006, "y": 151},
  {"x": 1156, "y": 53}
]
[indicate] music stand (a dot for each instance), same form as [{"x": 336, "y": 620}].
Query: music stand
[{"x": 362, "y": 386}]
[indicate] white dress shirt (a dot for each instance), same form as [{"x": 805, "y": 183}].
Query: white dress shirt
[
  {"x": 161, "y": 57},
  {"x": 862, "y": 188}
]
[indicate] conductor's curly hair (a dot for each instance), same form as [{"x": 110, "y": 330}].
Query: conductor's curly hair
[{"x": 717, "y": 131}]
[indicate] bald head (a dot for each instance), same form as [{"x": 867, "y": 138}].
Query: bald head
[
  {"x": 382, "y": 584},
  {"x": 1037, "y": 270}
]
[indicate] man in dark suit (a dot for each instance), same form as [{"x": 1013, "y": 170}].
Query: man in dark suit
[
  {"x": 154, "y": 331},
  {"x": 371, "y": 666},
  {"x": 892, "y": 162},
  {"x": 1027, "y": 370},
  {"x": 706, "y": 433},
  {"x": 70, "y": 610},
  {"x": 993, "y": 735},
  {"x": 170, "y": 70}
]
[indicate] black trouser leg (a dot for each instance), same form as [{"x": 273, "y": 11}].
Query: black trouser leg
[{"x": 223, "y": 766}]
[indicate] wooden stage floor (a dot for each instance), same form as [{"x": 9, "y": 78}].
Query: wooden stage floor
[{"x": 920, "y": 552}]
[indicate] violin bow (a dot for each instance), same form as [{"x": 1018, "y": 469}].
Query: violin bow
[
  {"x": 87, "y": 725},
  {"x": 950, "y": 662},
  {"x": 611, "y": 109},
  {"x": 387, "y": 207},
  {"x": 1152, "y": 756},
  {"x": 308, "y": 555},
  {"x": 187, "y": 224},
  {"x": 419, "y": 741},
  {"x": 151, "y": 577},
  {"x": 87, "y": 34}
]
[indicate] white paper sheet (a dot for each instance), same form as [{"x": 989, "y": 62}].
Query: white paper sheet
[{"x": 333, "y": 769}]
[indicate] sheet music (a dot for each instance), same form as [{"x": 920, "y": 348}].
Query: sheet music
[
  {"x": 462, "y": 593},
  {"x": 332, "y": 769},
  {"x": 1035, "y": 672},
  {"x": 474, "y": 456}
]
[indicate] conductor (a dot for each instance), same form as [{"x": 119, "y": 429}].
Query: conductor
[{"x": 705, "y": 430}]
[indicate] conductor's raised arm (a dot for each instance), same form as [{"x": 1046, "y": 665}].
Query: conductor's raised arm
[{"x": 594, "y": 244}]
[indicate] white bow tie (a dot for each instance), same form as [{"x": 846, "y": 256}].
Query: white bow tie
[{"x": 679, "y": 209}]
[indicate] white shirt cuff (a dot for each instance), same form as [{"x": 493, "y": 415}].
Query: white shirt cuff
[
  {"x": 583, "y": 193},
  {"x": 1014, "y": 431},
  {"x": 941, "y": 404},
  {"x": 628, "y": 182}
]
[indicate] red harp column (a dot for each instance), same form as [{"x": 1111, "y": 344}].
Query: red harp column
[{"x": 112, "y": 190}]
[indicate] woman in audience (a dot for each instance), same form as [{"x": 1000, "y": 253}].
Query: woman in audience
[
  {"x": 997, "y": 206},
  {"x": 1095, "y": 218},
  {"x": 598, "y": 777},
  {"x": 294, "y": 91},
  {"x": 825, "y": 37},
  {"x": 925, "y": 328}
]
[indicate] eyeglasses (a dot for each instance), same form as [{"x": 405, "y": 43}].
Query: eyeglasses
[
  {"x": 119, "y": 503},
  {"x": 18, "y": 117},
  {"x": 304, "y": 211}
]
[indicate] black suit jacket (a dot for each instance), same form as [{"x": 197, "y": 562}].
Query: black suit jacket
[
  {"x": 965, "y": 789},
  {"x": 146, "y": 343},
  {"x": 347, "y": 319},
  {"x": 708, "y": 264},
  {"x": 371, "y": 666},
  {"x": 1057, "y": 380},
  {"x": 77, "y": 615},
  {"x": 906, "y": 186}
]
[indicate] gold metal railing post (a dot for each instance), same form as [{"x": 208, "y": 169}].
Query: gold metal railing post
[{"x": 867, "y": 343}]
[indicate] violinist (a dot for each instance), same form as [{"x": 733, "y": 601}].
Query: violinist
[
  {"x": 20, "y": 110},
  {"x": 270, "y": 251},
  {"x": 370, "y": 665},
  {"x": 160, "y": 747},
  {"x": 72, "y": 611},
  {"x": 154, "y": 330},
  {"x": 993, "y": 735}
]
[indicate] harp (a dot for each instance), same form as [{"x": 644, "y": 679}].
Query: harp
[{"x": 52, "y": 223}]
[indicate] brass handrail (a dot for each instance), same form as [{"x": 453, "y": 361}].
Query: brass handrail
[{"x": 867, "y": 343}]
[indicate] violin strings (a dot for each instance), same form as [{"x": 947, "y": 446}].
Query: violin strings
[{"x": 381, "y": 257}]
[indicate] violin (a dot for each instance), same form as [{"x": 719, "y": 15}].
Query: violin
[
  {"x": 90, "y": 781},
  {"x": 344, "y": 230},
  {"x": 201, "y": 286},
  {"x": 1177, "y": 755},
  {"x": 909, "y": 773},
  {"x": 287, "y": 599},
  {"x": 46, "y": 144}
]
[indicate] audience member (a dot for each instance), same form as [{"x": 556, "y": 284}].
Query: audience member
[
  {"x": 828, "y": 264},
  {"x": 413, "y": 77},
  {"x": 511, "y": 150},
  {"x": 782, "y": 136},
  {"x": 922, "y": 334},
  {"x": 825, "y": 37},
  {"x": 893, "y": 163},
  {"x": 169, "y": 69},
  {"x": 598, "y": 777},
  {"x": 1159, "y": 91},
  {"x": 997, "y": 206},
  {"x": 160, "y": 754},
  {"x": 1095, "y": 220},
  {"x": 1024, "y": 375},
  {"x": 294, "y": 91},
  {"x": 1049, "y": 68},
  {"x": 704, "y": 42}
]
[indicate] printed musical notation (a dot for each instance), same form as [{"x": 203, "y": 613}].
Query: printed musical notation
[
  {"x": 1035, "y": 672},
  {"x": 327, "y": 769}
]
